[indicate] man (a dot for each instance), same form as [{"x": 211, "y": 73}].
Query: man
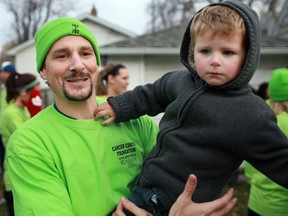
[{"x": 62, "y": 161}]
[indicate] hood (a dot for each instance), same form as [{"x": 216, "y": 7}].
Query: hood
[{"x": 252, "y": 54}]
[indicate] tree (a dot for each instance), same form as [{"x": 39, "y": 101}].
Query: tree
[
  {"x": 168, "y": 13},
  {"x": 29, "y": 15}
]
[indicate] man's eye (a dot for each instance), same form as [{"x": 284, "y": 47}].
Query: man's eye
[
  {"x": 61, "y": 56},
  {"x": 86, "y": 53}
]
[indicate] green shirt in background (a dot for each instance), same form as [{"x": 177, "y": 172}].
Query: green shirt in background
[
  {"x": 266, "y": 197},
  {"x": 3, "y": 102},
  {"x": 11, "y": 118}
]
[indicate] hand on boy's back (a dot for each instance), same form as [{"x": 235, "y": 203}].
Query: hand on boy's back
[
  {"x": 105, "y": 109},
  {"x": 184, "y": 206}
]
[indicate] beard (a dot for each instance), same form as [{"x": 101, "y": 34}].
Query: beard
[
  {"x": 84, "y": 95},
  {"x": 78, "y": 94}
]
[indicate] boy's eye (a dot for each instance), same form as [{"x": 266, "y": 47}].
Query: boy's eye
[
  {"x": 228, "y": 52},
  {"x": 204, "y": 51}
]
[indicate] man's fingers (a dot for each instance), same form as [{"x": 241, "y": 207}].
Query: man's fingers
[
  {"x": 119, "y": 210},
  {"x": 133, "y": 208},
  {"x": 190, "y": 186},
  {"x": 223, "y": 205}
]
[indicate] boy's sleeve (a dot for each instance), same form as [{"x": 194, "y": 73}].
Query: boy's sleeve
[
  {"x": 149, "y": 133},
  {"x": 37, "y": 188},
  {"x": 150, "y": 99},
  {"x": 266, "y": 149}
]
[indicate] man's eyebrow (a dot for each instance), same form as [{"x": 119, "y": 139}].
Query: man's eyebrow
[
  {"x": 87, "y": 48},
  {"x": 59, "y": 50}
]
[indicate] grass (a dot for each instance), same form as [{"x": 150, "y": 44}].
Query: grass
[{"x": 241, "y": 191}]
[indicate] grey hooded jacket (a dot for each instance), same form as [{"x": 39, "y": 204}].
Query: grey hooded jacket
[{"x": 206, "y": 130}]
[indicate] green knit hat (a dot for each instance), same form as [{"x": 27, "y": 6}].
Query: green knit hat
[
  {"x": 278, "y": 85},
  {"x": 51, "y": 31}
]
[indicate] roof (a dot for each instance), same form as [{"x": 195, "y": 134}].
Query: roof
[
  {"x": 106, "y": 24},
  {"x": 170, "y": 40},
  {"x": 171, "y": 37}
]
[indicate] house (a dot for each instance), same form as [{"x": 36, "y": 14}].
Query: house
[
  {"x": 105, "y": 32},
  {"x": 149, "y": 56}
]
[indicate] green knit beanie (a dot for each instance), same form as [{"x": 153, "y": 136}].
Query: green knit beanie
[
  {"x": 51, "y": 31},
  {"x": 278, "y": 85}
]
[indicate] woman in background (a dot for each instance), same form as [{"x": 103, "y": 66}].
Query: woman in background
[{"x": 112, "y": 80}]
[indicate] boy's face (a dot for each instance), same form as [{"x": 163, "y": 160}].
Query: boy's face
[
  {"x": 70, "y": 68},
  {"x": 218, "y": 58}
]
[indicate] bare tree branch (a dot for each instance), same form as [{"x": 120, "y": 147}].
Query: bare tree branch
[
  {"x": 168, "y": 13},
  {"x": 29, "y": 15}
]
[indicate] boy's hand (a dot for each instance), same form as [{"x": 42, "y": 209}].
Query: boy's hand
[
  {"x": 184, "y": 206},
  {"x": 105, "y": 109}
]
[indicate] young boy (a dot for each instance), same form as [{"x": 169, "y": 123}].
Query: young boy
[{"x": 212, "y": 120}]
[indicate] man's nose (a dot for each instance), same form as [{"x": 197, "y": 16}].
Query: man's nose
[{"x": 76, "y": 63}]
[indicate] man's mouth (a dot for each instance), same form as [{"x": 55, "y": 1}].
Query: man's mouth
[{"x": 74, "y": 80}]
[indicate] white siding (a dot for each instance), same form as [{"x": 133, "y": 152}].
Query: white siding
[
  {"x": 266, "y": 65},
  {"x": 103, "y": 35}
]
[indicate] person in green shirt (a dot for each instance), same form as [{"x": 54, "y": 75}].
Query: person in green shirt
[
  {"x": 18, "y": 92},
  {"x": 6, "y": 69},
  {"x": 63, "y": 161},
  {"x": 267, "y": 197}
]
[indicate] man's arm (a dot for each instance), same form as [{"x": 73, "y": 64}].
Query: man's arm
[{"x": 36, "y": 185}]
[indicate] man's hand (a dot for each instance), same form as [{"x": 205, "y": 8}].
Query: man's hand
[
  {"x": 124, "y": 203},
  {"x": 105, "y": 109},
  {"x": 184, "y": 206}
]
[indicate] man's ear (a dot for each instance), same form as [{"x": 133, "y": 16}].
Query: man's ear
[{"x": 43, "y": 74}]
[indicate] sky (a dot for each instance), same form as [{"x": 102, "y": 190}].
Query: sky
[{"x": 129, "y": 14}]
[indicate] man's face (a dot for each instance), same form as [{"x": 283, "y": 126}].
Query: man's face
[{"x": 70, "y": 68}]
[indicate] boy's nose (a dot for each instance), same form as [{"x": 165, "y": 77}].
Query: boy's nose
[{"x": 215, "y": 60}]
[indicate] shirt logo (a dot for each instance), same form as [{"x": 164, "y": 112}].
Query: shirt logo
[{"x": 126, "y": 154}]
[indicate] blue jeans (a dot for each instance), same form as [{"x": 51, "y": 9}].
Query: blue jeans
[{"x": 146, "y": 199}]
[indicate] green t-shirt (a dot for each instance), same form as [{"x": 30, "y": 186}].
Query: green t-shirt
[
  {"x": 266, "y": 197},
  {"x": 63, "y": 166},
  {"x": 3, "y": 102},
  {"x": 12, "y": 117}
]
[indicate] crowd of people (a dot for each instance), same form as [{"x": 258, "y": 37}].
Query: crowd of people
[{"x": 96, "y": 151}]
